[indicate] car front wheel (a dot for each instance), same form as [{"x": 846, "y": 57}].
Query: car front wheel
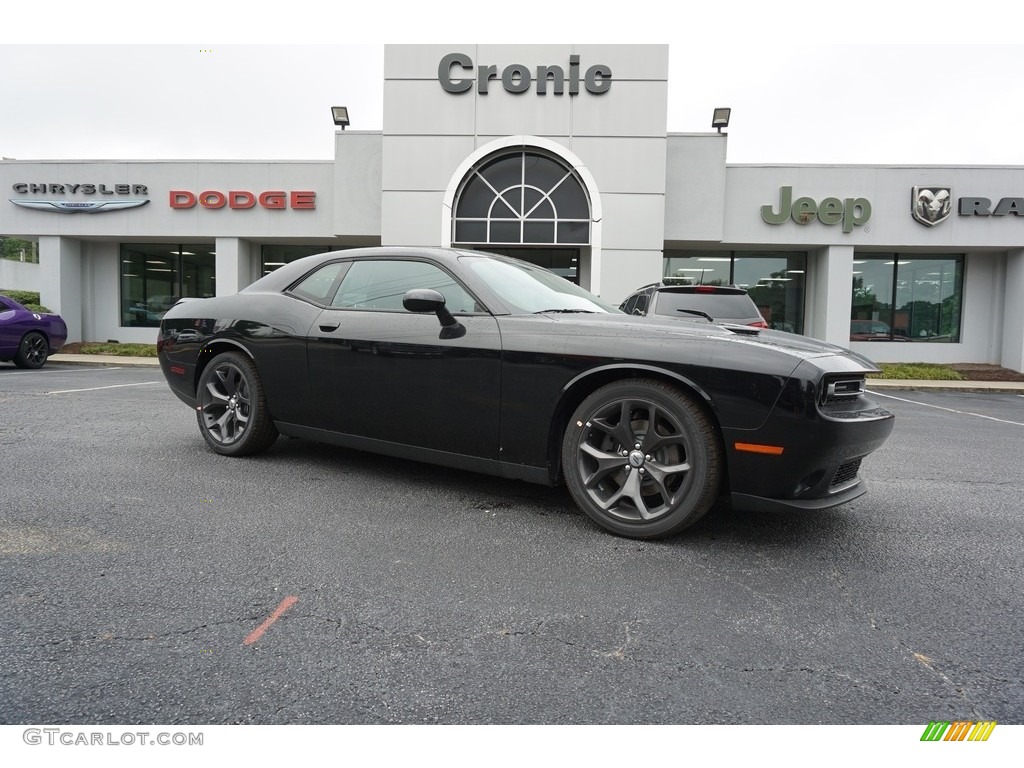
[
  {"x": 232, "y": 413},
  {"x": 33, "y": 351},
  {"x": 642, "y": 459}
]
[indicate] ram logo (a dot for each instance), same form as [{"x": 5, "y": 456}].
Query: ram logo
[{"x": 931, "y": 205}]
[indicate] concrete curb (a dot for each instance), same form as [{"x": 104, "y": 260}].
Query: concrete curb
[
  {"x": 910, "y": 385},
  {"x": 920, "y": 385},
  {"x": 105, "y": 360}
]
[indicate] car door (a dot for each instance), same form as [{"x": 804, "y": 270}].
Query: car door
[{"x": 388, "y": 374}]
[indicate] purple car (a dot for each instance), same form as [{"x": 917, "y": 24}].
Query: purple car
[{"x": 28, "y": 337}]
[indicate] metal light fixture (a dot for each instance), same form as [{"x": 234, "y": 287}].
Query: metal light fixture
[
  {"x": 720, "y": 118},
  {"x": 340, "y": 115}
]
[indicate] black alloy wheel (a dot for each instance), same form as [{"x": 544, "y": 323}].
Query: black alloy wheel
[
  {"x": 642, "y": 459},
  {"x": 33, "y": 351},
  {"x": 232, "y": 414}
]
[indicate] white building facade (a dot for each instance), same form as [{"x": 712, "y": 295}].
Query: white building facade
[{"x": 557, "y": 154}]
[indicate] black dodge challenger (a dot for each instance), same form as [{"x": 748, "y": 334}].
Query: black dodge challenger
[{"x": 490, "y": 364}]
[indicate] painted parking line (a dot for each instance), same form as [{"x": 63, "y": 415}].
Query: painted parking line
[
  {"x": 951, "y": 410},
  {"x": 110, "y": 386},
  {"x": 67, "y": 370},
  {"x": 257, "y": 633}
]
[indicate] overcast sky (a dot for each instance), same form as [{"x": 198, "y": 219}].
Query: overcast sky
[{"x": 868, "y": 82}]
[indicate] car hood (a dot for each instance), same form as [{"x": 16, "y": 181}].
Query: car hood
[{"x": 781, "y": 342}]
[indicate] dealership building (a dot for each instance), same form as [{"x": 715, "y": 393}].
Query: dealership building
[{"x": 559, "y": 155}]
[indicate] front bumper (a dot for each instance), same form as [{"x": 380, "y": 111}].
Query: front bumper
[
  {"x": 752, "y": 503},
  {"x": 819, "y": 448}
]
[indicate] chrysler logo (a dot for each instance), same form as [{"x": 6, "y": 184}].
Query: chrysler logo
[
  {"x": 931, "y": 205},
  {"x": 67, "y": 206}
]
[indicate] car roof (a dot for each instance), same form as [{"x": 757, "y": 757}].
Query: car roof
[
  {"x": 720, "y": 289},
  {"x": 666, "y": 288},
  {"x": 283, "y": 277}
]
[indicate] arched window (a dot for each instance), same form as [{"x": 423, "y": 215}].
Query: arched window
[{"x": 521, "y": 198}]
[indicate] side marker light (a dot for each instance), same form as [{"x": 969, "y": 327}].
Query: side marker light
[{"x": 768, "y": 450}]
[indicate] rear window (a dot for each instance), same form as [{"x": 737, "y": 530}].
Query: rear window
[
  {"x": 319, "y": 286},
  {"x": 737, "y": 305}
]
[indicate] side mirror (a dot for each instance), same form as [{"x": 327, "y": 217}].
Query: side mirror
[{"x": 428, "y": 300}]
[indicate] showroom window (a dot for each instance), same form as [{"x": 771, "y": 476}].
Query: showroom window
[
  {"x": 19, "y": 250},
  {"x": 275, "y": 256},
  {"x": 775, "y": 280},
  {"x": 522, "y": 198},
  {"x": 901, "y": 297},
  {"x": 154, "y": 276}
]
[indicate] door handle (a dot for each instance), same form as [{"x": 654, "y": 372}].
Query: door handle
[{"x": 328, "y": 327}]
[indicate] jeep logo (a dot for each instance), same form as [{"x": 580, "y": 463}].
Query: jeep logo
[{"x": 852, "y": 211}]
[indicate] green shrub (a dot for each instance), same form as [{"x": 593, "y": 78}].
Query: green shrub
[
  {"x": 122, "y": 350},
  {"x": 922, "y": 371},
  {"x": 22, "y": 297},
  {"x": 28, "y": 299}
]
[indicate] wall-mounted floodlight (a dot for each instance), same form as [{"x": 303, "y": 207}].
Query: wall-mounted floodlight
[
  {"x": 720, "y": 118},
  {"x": 340, "y": 115}
]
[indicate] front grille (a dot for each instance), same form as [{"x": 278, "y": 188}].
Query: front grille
[
  {"x": 846, "y": 473},
  {"x": 842, "y": 390}
]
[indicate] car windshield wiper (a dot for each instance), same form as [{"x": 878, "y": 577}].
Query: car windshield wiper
[
  {"x": 705, "y": 315},
  {"x": 583, "y": 311}
]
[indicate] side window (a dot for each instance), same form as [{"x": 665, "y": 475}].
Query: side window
[
  {"x": 628, "y": 305},
  {"x": 317, "y": 287},
  {"x": 641, "y": 305},
  {"x": 381, "y": 284}
]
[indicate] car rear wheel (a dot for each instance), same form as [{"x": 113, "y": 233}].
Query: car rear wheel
[
  {"x": 642, "y": 459},
  {"x": 33, "y": 351},
  {"x": 233, "y": 415}
]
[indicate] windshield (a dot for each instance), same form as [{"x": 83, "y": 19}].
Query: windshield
[{"x": 528, "y": 289}]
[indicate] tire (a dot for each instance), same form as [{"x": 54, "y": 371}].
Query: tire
[
  {"x": 232, "y": 409},
  {"x": 33, "y": 351},
  {"x": 634, "y": 480}
]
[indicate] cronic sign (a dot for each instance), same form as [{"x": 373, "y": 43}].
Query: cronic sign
[{"x": 456, "y": 74}]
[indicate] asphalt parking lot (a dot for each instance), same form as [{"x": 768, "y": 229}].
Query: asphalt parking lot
[{"x": 137, "y": 569}]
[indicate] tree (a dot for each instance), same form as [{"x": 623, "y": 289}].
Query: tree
[{"x": 863, "y": 298}]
